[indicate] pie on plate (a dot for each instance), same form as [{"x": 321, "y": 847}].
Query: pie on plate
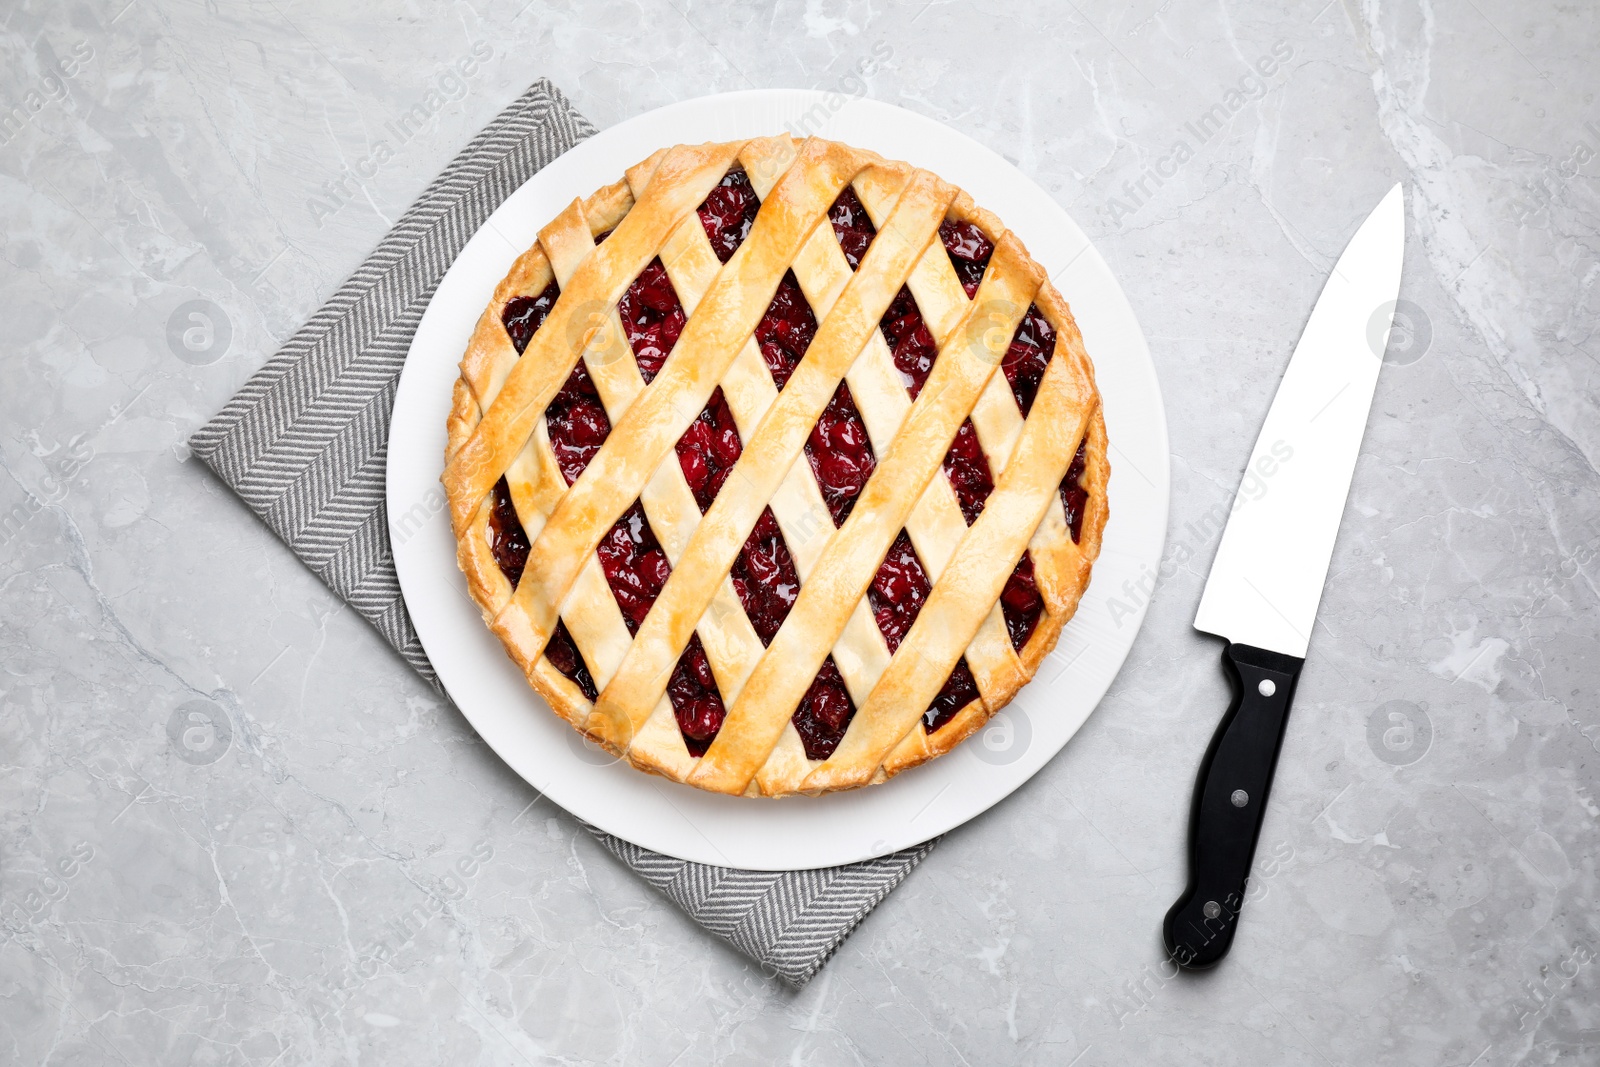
[{"x": 777, "y": 467}]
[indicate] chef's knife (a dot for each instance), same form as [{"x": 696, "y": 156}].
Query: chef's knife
[{"x": 1267, "y": 577}]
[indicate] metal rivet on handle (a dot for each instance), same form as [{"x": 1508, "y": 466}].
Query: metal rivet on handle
[
  {"x": 1266, "y": 688},
  {"x": 1240, "y": 798},
  {"x": 1212, "y": 909}
]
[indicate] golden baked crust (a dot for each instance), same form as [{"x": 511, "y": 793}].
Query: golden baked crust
[{"x": 496, "y": 429}]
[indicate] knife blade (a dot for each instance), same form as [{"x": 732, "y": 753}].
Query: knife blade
[{"x": 1266, "y": 580}]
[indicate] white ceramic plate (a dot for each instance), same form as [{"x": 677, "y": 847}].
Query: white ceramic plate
[{"x": 795, "y": 832}]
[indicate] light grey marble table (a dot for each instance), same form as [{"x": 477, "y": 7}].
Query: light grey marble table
[{"x": 234, "y": 828}]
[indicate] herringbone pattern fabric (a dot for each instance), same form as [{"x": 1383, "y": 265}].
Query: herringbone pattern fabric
[
  {"x": 304, "y": 444},
  {"x": 789, "y": 921}
]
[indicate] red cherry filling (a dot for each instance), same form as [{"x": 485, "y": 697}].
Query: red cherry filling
[
  {"x": 898, "y": 591},
  {"x": 508, "y": 541},
  {"x": 969, "y": 253},
  {"x": 968, "y": 470},
  {"x": 708, "y": 449},
  {"x": 824, "y": 712},
  {"x": 523, "y": 315},
  {"x": 728, "y": 213},
  {"x": 785, "y": 331},
  {"x": 696, "y": 701},
  {"x": 652, "y": 318},
  {"x": 1029, "y": 354},
  {"x": 577, "y": 423},
  {"x": 1021, "y": 603},
  {"x": 634, "y": 564},
  {"x": 910, "y": 342},
  {"x": 896, "y": 595},
  {"x": 851, "y": 226},
  {"x": 841, "y": 455},
  {"x": 960, "y": 689},
  {"x": 1074, "y": 497},
  {"x": 564, "y": 656},
  {"x": 765, "y": 578}
]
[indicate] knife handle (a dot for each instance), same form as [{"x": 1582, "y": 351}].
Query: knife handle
[{"x": 1230, "y": 797}]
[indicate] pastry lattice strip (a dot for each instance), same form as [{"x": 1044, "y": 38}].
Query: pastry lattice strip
[{"x": 907, "y": 246}]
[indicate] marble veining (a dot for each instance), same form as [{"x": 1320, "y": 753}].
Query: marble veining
[{"x": 235, "y": 829}]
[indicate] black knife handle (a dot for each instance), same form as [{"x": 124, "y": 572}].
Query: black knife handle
[{"x": 1230, "y": 797}]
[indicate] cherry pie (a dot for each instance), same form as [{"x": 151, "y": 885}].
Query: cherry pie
[{"x": 736, "y": 482}]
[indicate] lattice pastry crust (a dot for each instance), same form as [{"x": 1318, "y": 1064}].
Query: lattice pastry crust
[{"x": 1048, "y": 467}]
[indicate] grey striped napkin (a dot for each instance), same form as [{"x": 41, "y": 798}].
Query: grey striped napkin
[{"x": 304, "y": 444}]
